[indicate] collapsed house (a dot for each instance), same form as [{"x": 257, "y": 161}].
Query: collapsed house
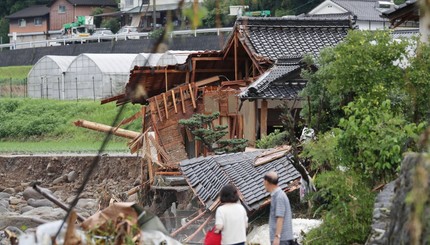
[{"x": 258, "y": 70}]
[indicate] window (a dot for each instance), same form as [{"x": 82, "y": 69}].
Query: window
[
  {"x": 128, "y": 3},
  {"x": 61, "y": 9},
  {"x": 37, "y": 21},
  {"x": 22, "y": 23}
]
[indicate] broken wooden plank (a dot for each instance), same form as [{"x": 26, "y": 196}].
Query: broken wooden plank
[
  {"x": 114, "y": 98},
  {"x": 129, "y": 120},
  {"x": 191, "y": 237},
  {"x": 143, "y": 112},
  {"x": 168, "y": 173},
  {"x": 165, "y": 106},
  {"x": 105, "y": 128},
  {"x": 271, "y": 156}
]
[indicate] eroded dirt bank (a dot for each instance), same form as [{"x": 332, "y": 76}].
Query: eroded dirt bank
[{"x": 115, "y": 174}]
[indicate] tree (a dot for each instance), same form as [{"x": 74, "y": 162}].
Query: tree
[
  {"x": 112, "y": 23},
  {"x": 201, "y": 126}
]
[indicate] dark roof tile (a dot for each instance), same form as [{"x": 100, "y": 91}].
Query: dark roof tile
[{"x": 32, "y": 11}]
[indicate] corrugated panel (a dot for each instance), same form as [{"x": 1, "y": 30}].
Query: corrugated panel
[{"x": 112, "y": 63}]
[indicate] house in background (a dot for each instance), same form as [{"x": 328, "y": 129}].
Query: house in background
[
  {"x": 29, "y": 24},
  {"x": 366, "y": 12},
  {"x": 65, "y": 11},
  {"x": 139, "y": 13}
]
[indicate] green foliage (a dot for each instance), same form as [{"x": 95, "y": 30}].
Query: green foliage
[
  {"x": 156, "y": 34},
  {"x": 112, "y": 23},
  {"x": 274, "y": 139},
  {"x": 346, "y": 204},
  {"x": 97, "y": 19},
  {"x": 195, "y": 14},
  {"x": 201, "y": 126},
  {"x": 4, "y": 30},
  {"x": 32, "y": 119}
]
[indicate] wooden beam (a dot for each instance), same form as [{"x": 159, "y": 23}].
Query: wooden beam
[
  {"x": 143, "y": 112},
  {"x": 263, "y": 118},
  {"x": 165, "y": 79},
  {"x": 129, "y": 120},
  {"x": 240, "y": 128},
  {"x": 112, "y": 99},
  {"x": 233, "y": 128},
  {"x": 214, "y": 71},
  {"x": 182, "y": 100},
  {"x": 165, "y": 106},
  {"x": 158, "y": 108},
  {"x": 191, "y": 237},
  {"x": 105, "y": 128},
  {"x": 207, "y": 58},
  {"x": 193, "y": 100},
  {"x": 207, "y": 81},
  {"x": 168, "y": 173},
  {"x": 174, "y": 101},
  {"x": 158, "y": 71},
  {"x": 187, "y": 77}
]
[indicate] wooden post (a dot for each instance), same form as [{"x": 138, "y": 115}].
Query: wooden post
[
  {"x": 193, "y": 76},
  {"x": 263, "y": 119},
  {"x": 165, "y": 106},
  {"x": 235, "y": 58},
  {"x": 165, "y": 78},
  {"x": 187, "y": 77},
  {"x": 158, "y": 109},
  {"x": 143, "y": 112},
  {"x": 174, "y": 101},
  {"x": 182, "y": 100},
  {"x": 199, "y": 229},
  {"x": 193, "y": 100}
]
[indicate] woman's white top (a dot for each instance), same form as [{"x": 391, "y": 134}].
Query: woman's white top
[{"x": 233, "y": 219}]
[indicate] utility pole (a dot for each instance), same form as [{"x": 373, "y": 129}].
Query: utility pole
[{"x": 154, "y": 17}]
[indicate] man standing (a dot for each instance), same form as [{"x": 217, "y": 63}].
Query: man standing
[{"x": 280, "y": 219}]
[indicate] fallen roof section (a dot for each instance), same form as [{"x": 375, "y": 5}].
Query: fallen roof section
[{"x": 207, "y": 175}]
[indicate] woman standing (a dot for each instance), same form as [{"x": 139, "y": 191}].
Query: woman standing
[{"x": 230, "y": 218}]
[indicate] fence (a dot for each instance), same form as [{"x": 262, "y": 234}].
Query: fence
[{"x": 12, "y": 88}]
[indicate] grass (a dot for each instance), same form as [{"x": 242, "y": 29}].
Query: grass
[
  {"x": 16, "y": 73},
  {"x": 43, "y": 126}
]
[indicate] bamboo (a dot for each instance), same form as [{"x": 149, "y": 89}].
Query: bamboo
[{"x": 105, "y": 128}]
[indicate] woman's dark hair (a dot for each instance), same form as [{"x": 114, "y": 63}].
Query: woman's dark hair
[{"x": 229, "y": 194}]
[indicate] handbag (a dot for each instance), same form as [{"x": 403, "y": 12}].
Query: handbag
[{"x": 212, "y": 238}]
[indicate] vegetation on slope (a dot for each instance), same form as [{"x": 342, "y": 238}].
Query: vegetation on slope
[{"x": 50, "y": 124}]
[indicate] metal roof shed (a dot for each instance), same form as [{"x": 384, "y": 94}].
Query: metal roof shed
[
  {"x": 95, "y": 76},
  {"x": 46, "y": 77}
]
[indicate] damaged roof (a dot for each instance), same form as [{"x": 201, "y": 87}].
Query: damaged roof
[
  {"x": 293, "y": 36},
  {"x": 207, "y": 175},
  {"x": 278, "y": 82}
]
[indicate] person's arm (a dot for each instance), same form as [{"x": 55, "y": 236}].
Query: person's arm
[
  {"x": 278, "y": 230},
  {"x": 218, "y": 221}
]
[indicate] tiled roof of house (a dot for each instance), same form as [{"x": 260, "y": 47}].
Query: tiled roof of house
[
  {"x": 32, "y": 11},
  {"x": 94, "y": 2},
  {"x": 276, "y": 83},
  {"x": 400, "y": 7},
  {"x": 207, "y": 175},
  {"x": 405, "y": 33},
  {"x": 363, "y": 9},
  {"x": 295, "y": 36}
]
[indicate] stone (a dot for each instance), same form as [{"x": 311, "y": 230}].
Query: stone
[
  {"x": 19, "y": 221},
  {"x": 132, "y": 198},
  {"x": 46, "y": 213},
  {"x": 26, "y": 209},
  {"x": 4, "y": 195},
  {"x": 14, "y": 201},
  {"x": 3, "y": 210},
  {"x": 4, "y": 203},
  {"x": 39, "y": 203},
  {"x": 9, "y": 191},
  {"x": 50, "y": 168},
  {"x": 87, "y": 204},
  {"x": 29, "y": 192},
  {"x": 59, "y": 180},
  {"x": 72, "y": 176}
]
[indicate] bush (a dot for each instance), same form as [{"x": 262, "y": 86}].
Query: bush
[
  {"x": 346, "y": 205},
  {"x": 274, "y": 139}
]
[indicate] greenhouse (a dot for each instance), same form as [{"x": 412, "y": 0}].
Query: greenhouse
[
  {"x": 173, "y": 57},
  {"x": 95, "y": 76},
  {"x": 146, "y": 59},
  {"x": 46, "y": 78}
]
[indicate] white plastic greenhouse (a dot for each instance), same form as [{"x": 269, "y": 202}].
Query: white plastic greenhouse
[
  {"x": 46, "y": 77},
  {"x": 93, "y": 76},
  {"x": 172, "y": 57},
  {"x": 146, "y": 59}
]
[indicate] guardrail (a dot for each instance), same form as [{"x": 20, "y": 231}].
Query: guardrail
[{"x": 116, "y": 37}]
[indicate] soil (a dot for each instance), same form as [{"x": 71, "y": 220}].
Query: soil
[{"x": 113, "y": 174}]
